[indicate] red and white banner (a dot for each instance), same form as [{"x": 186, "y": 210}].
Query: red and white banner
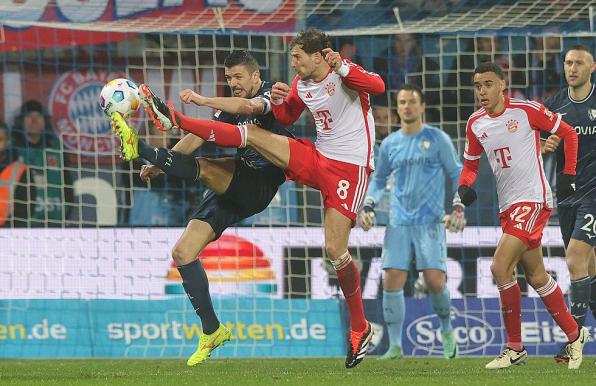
[{"x": 35, "y": 24}]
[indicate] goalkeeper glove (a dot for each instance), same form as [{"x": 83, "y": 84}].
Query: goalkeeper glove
[
  {"x": 466, "y": 194},
  {"x": 456, "y": 221},
  {"x": 366, "y": 216},
  {"x": 565, "y": 186}
]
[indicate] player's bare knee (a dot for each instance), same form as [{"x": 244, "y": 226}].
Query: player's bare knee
[
  {"x": 577, "y": 258},
  {"x": 334, "y": 251},
  {"x": 393, "y": 280},
  {"x": 182, "y": 255},
  {"x": 537, "y": 279},
  {"x": 435, "y": 285},
  {"x": 435, "y": 280},
  {"x": 498, "y": 271}
]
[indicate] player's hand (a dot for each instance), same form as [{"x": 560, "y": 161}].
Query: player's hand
[
  {"x": 189, "y": 96},
  {"x": 466, "y": 194},
  {"x": 456, "y": 221},
  {"x": 332, "y": 58},
  {"x": 279, "y": 91},
  {"x": 366, "y": 216},
  {"x": 565, "y": 186},
  {"x": 551, "y": 144},
  {"x": 149, "y": 172}
]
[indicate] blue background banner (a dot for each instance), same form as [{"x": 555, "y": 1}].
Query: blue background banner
[
  {"x": 477, "y": 325},
  {"x": 167, "y": 328}
]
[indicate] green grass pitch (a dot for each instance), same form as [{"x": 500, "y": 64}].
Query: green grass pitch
[{"x": 304, "y": 372}]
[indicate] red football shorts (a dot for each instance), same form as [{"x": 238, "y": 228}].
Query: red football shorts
[
  {"x": 342, "y": 184},
  {"x": 526, "y": 221}
]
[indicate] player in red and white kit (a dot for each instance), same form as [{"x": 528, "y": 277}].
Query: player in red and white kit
[
  {"x": 508, "y": 130},
  {"x": 336, "y": 92}
]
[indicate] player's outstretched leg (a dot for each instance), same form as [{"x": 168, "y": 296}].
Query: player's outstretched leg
[
  {"x": 508, "y": 357},
  {"x": 208, "y": 343},
  {"x": 129, "y": 139},
  {"x": 173, "y": 163},
  {"x": 162, "y": 115},
  {"x": 165, "y": 117}
]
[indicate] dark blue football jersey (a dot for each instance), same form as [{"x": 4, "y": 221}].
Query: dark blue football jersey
[
  {"x": 266, "y": 120},
  {"x": 582, "y": 116}
]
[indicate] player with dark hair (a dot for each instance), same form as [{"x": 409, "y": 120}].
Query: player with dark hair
[
  {"x": 418, "y": 156},
  {"x": 577, "y": 209},
  {"x": 336, "y": 91},
  {"x": 508, "y": 130},
  {"x": 239, "y": 187}
]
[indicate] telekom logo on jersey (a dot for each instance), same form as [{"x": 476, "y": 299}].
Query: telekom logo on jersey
[
  {"x": 502, "y": 155},
  {"x": 324, "y": 118}
]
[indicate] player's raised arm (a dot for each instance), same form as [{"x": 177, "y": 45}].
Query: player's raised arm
[
  {"x": 286, "y": 103},
  {"x": 354, "y": 76},
  {"x": 234, "y": 105}
]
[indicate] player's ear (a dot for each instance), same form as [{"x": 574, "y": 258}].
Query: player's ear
[{"x": 318, "y": 57}]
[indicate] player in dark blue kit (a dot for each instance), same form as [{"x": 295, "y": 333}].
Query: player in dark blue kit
[
  {"x": 239, "y": 186},
  {"x": 577, "y": 209}
]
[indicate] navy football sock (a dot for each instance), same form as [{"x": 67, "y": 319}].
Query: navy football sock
[
  {"x": 579, "y": 298},
  {"x": 172, "y": 163},
  {"x": 196, "y": 285}
]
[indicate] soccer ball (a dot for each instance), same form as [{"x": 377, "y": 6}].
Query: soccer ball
[{"x": 120, "y": 95}]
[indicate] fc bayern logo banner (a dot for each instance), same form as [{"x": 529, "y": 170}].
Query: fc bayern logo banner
[{"x": 76, "y": 114}]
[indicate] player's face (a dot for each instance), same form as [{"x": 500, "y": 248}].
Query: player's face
[
  {"x": 242, "y": 83},
  {"x": 409, "y": 106},
  {"x": 489, "y": 88},
  {"x": 304, "y": 64},
  {"x": 579, "y": 66}
]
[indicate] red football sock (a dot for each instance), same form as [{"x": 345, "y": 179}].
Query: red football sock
[
  {"x": 511, "y": 310},
  {"x": 349, "y": 281},
  {"x": 221, "y": 133},
  {"x": 553, "y": 299}
]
